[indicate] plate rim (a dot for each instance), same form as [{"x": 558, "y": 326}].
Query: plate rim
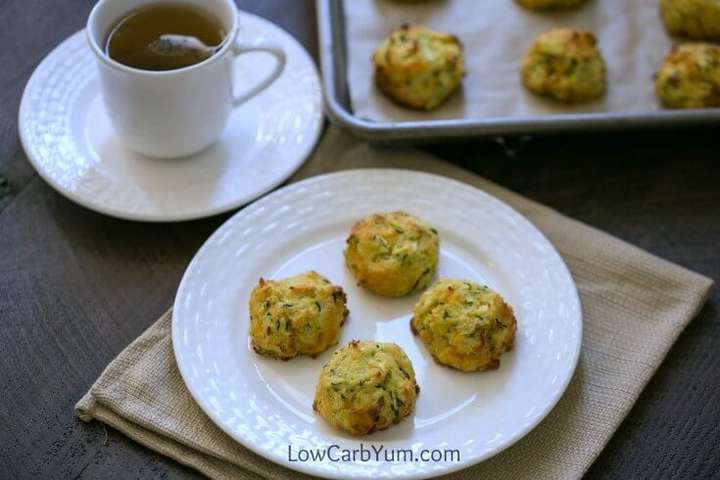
[
  {"x": 308, "y": 468},
  {"x": 316, "y": 132}
]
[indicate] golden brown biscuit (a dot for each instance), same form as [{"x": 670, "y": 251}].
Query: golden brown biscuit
[
  {"x": 565, "y": 64},
  {"x": 366, "y": 386},
  {"x": 299, "y": 315},
  {"x": 699, "y": 19},
  {"x": 418, "y": 67},
  {"x": 690, "y": 77},
  {"x": 392, "y": 254},
  {"x": 550, "y": 4},
  {"x": 464, "y": 325}
]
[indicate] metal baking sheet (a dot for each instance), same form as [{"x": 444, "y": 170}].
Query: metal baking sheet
[{"x": 333, "y": 57}]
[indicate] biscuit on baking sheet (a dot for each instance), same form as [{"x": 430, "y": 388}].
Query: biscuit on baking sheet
[
  {"x": 365, "y": 387},
  {"x": 550, "y": 4},
  {"x": 418, "y": 67},
  {"x": 392, "y": 254},
  {"x": 565, "y": 64},
  {"x": 690, "y": 77},
  {"x": 464, "y": 325},
  {"x": 299, "y": 315},
  {"x": 698, "y": 19}
]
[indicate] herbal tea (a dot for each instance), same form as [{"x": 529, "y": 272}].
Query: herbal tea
[{"x": 165, "y": 36}]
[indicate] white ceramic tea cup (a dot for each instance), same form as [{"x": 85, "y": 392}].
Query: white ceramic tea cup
[{"x": 173, "y": 113}]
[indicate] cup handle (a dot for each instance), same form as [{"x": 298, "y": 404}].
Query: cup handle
[{"x": 258, "y": 45}]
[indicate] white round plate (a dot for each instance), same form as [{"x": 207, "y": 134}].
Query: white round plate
[
  {"x": 266, "y": 404},
  {"x": 67, "y": 136}
]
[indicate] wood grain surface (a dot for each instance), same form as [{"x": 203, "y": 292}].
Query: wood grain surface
[{"x": 76, "y": 287}]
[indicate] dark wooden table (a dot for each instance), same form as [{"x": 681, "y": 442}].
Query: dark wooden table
[{"x": 76, "y": 287}]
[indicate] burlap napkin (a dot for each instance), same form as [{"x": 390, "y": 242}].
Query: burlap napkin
[{"x": 634, "y": 306}]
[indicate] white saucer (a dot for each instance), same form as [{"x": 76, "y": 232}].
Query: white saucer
[{"x": 67, "y": 136}]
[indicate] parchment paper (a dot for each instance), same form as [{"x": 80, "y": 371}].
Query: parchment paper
[{"x": 495, "y": 35}]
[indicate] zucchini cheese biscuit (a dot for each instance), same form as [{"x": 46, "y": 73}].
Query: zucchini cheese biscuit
[
  {"x": 299, "y": 315},
  {"x": 392, "y": 254},
  {"x": 690, "y": 77},
  {"x": 418, "y": 67},
  {"x": 698, "y": 19},
  {"x": 366, "y": 386},
  {"x": 550, "y": 4},
  {"x": 464, "y": 325},
  {"x": 565, "y": 64}
]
